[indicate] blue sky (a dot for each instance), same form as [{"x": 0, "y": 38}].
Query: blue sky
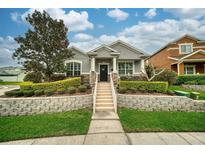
[{"x": 147, "y": 29}]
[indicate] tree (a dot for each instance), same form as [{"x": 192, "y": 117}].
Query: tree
[
  {"x": 45, "y": 46},
  {"x": 150, "y": 72}
]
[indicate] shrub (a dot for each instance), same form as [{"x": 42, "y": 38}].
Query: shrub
[
  {"x": 167, "y": 76},
  {"x": 82, "y": 88},
  {"x": 70, "y": 82},
  {"x": 122, "y": 90},
  {"x": 87, "y": 85},
  {"x": 35, "y": 77},
  {"x": 201, "y": 82},
  {"x": 132, "y": 90},
  {"x": 14, "y": 93},
  {"x": 184, "y": 78},
  {"x": 49, "y": 92},
  {"x": 71, "y": 90},
  {"x": 145, "y": 86},
  {"x": 39, "y": 92},
  {"x": 57, "y": 77},
  {"x": 191, "y": 82},
  {"x": 28, "y": 93},
  {"x": 61, "y": 91},
  {"x": 133, "y": 78},
  {"x": 1, "y": 80}
]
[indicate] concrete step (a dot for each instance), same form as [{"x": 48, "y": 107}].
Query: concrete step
[
  {"x": 104, "y": 94},
  {"x": 104, "y": 90},
  {"x": 104, "y": 105},
  {"x": 104, "y": 108},
  {"x": 104, "y": 97},
  {"x": 104, "y": 100}
]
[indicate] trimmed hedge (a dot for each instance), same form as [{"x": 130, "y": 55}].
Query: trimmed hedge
[
  {"x": 70, "y": 82},
  {"x": 182, "y": 79},
  {"x": 160, "y": 87}
]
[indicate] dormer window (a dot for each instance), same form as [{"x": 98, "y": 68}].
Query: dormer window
[{"x": 185, "y": 48}]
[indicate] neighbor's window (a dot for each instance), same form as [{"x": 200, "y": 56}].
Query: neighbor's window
[
  {"x": 125, "y": 68},
  {"x": 73, "y": 69},
  {"x": 189, "y": 69},
  {"x": 186, "y": 48}
]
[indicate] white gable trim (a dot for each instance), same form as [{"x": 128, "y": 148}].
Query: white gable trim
[
  {"x": 128, "y": 45},
  {"x": 103, "y": 46},
  {"x": 193, "y": 53}
]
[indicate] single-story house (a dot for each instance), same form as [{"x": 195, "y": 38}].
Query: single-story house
[
  {"x": 186, "y": 55},
  {"x": 118, "y": 57}
]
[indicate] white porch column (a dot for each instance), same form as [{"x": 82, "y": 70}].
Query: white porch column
[
  {"x": 142, "y": 65},
  {"x": 93, "y": 64},
  {"x": 114, "y": 64}
]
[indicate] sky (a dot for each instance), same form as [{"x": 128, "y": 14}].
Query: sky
[{"x": 147, "y": 29}]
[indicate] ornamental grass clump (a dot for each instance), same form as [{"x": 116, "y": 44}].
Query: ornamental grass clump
[{"x": 71, "y": 90}]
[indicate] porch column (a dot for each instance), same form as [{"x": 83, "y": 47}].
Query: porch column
[
  {"x": 114, "y": 65},
  {"x": 180, "y": 68},
  {"x": 93, "y": 64},
  {"x": 142, "y": 65}
]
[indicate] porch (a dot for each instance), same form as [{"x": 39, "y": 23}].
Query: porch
[{"x": 189, "y": 67}]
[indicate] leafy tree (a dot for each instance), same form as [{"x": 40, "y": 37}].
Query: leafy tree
[{"x": 45, "y": 45}]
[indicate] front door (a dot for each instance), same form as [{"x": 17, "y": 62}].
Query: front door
[{"x": 103, "y": 72}]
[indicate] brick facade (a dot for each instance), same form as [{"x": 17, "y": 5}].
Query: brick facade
[{"x": 161, "y": 59}]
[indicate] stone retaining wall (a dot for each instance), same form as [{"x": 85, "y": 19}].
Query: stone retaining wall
[
  {"x": 160, "y": 103},
  {"x": 38, "y": 105},
  {"x": 194, "y": 87}
]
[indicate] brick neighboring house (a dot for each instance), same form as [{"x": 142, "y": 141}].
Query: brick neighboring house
[{"x": 185, "y": 55}]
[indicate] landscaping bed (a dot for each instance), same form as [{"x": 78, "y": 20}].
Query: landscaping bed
[
  {"x": 45, "y": 125},
  {"x": 66, "y": 87},
  {"x": 142, "y": 121}
]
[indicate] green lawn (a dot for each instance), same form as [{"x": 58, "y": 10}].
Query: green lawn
[
  {"x": 54, "y": 124},
  {"x": 141, "y": 121},
  {"x": 201, "y": 96},
  {"x": 10, "y": 83}
]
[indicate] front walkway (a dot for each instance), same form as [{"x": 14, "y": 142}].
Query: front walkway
[{"x": 106, "y": 129}]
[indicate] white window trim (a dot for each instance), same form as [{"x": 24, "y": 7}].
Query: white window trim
[
  {"x": 180, "y": 52},
  {"x": 194, "y": 67},
  {"x": 133, "y": 67},
  {"x": 74, "y": 61}
]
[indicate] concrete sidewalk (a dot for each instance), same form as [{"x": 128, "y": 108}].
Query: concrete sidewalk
[
  {"x": 119, "y": 138},
  {"x": 106, "y": 129}
]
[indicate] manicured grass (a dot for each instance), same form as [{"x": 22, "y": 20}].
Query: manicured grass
[
  {"x": 10, "y": 83},
  {"x": 141, "y": 121},
  {"x": 201, "y": 96},
  {"x": 54, "y": 124}
]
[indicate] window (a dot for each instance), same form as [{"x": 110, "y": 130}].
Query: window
[
  {"x": 185, "y": 48},
  {"x": 73, "y": 69},
  {"x": 125, "y": 68},
  {"x": 189, "y": 69}
]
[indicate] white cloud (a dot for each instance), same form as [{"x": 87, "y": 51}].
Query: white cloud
[
  {"x": 82, "y": 37},
  {"x": 7, "y": 47},
  {"x": 187, "y": 12},
  {"x": 75, "y": 21},
  {"x": 150, "y": 36},
  {"x": 118, "y": 14},
  {"x": 151, "y": 13},
  {"x": 100, "y": 26}
]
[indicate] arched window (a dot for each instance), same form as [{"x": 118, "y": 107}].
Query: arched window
[{"x": 73, "y": 68}]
